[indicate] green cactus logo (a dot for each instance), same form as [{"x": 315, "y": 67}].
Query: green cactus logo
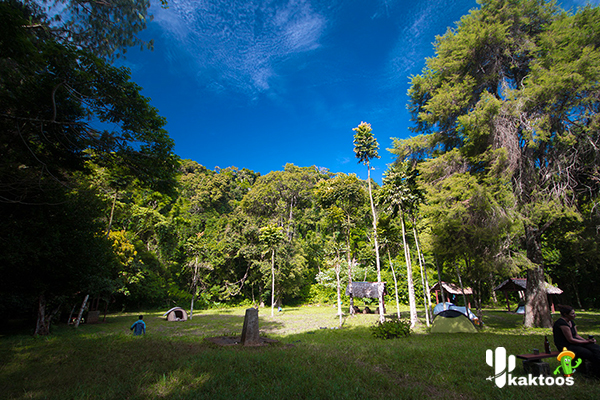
[{"x": 565, "y": 358}]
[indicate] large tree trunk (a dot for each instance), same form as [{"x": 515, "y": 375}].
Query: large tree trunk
[
  {"x": 537, "y": 312},
  {"x": 42, "y": 326}
]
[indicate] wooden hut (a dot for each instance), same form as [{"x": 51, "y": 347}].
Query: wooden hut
[
  {"x": 519, "y": 285},
  {"x": 365, "y": 290},
  {"x": 450, "y": 289},
  {"x": 176, "y": 314}
]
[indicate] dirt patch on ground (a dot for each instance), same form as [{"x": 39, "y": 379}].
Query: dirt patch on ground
[{"x": 235, "y": 341}]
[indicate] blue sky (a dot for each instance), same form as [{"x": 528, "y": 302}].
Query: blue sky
[{"x": 258, "y": 84}]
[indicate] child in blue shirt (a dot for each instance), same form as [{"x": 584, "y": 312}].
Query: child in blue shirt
[{"x": 139, "y": 326}]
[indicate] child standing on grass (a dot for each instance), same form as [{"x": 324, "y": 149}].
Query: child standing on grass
[{"x": 139, "y": 327}]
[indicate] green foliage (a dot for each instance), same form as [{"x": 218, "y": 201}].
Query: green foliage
[
  {"x": 507, "y": 114},
  {"x": 105, "y": 28},
  {"x": 391, "y": 328},
  {"x": 365, "y": 144}
]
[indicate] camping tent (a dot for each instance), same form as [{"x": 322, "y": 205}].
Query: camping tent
[
  {"x": 449, "y": 306},
  {"x": 176, "y": 314},
  {"x": 442, "y": 307},
  {"x": 452, "y": 321}
]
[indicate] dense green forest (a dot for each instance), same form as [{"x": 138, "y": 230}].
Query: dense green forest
[{"x": 499, "y": 180}]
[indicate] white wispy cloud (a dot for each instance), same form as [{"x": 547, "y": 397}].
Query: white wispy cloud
[
  {"x": 237, "y": 44},
  {"x": 417, "y": 36}
]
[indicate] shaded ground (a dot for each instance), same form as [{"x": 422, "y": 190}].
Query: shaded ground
[{"x": 235, "y": 340}]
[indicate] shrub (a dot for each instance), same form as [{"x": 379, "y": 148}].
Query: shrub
[{"x": 391, "y": 328}]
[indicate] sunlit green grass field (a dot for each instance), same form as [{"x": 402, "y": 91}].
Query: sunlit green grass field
[{"x": 312, "y": 360}]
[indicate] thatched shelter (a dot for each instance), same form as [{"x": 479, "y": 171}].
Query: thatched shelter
[
  {"x": 520, "y": 285},
  {"x": 365, "y": 290},
  {"x": 176, "y": 314},
  {"x": 450, "y": 289}
]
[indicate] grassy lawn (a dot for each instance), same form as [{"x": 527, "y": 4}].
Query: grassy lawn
[{"x": 312, "y": 360}]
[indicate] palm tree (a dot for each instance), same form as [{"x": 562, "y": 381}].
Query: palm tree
[{"x": 365, "y": 148}]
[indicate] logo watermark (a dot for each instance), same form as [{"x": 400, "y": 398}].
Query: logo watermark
[{"x": 503, "y": 366}]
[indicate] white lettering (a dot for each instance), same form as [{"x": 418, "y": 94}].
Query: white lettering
[
  {"x": 560, "y": 381},
  {"x": 549, "y": 381},
  {"x": 570, "y": 381},
  {"x": 532, "y": 380},
  {"x": 541, "y": 380},
  {"x": 512, "y": 380},
  {"x": 522, "y": 381}
]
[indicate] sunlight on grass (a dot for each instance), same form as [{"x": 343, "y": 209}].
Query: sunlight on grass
[{"x": 176, "y": 381}]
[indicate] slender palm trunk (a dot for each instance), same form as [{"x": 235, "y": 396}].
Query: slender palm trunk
[
  {"x": 409, "y": 279},
  {"x": 395, "y": 284},
  {"x": 348, "y": 256},
  {"x": 272, "y": 281},
  {"x": 423, "y": 277},
  {"x": 337, "y": 268},
  {"x": 381, "y": 306}
]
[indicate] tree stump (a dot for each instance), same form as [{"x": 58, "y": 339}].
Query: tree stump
[{"x": 250, "y": 334}]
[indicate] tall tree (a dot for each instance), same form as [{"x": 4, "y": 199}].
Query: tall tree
[
  {"x": 365, "y": 149},
  {"x": 400, "y": 195},
  {"x": 343, "y": 196},
  {"x": 56, "y": 101},
  {"x": 271, "y": 237},
  {"x": 517, "y": 81}
]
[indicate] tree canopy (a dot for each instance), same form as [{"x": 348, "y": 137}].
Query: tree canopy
[{"x": 513, "y": 92}]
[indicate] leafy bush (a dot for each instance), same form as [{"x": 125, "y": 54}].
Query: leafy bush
[{"x": 391, "y": 328}]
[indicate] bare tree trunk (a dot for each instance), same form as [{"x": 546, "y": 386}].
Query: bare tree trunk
[
  {"x": 81, "y": 310},
  {"x": 41, "y": 327},
  {"x": 337, "y": 268},
  {"x": 272, "y": 281},
  {"x": 71, "y": 314},
  {"x": 289, "y": 230},
  {"x": 462, "y": 290},
  {"x": 537, "y": 311},
  {"x": 440, "y": 283},
  {"x": 425, "y": 290},
  {"x": 493, "y": 284},
  {"x": 395, "y": 284},
  {"x": 44, "y": 320},
  {"x": 348, "y": 256},
  {"x": 409, "y": 279},
  {"x": 381, "y": 305},
  {"x": 194, "y": 288},
  {"x": 112, "y": 211}
]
